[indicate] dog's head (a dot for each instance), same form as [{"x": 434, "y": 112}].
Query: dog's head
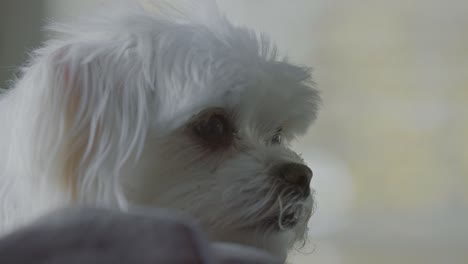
[{"x": 180, "y": 112}]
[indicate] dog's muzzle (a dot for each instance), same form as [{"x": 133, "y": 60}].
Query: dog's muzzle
[
  {"x": 294, "y": 179},
  {"x": 295, "y": 175}
]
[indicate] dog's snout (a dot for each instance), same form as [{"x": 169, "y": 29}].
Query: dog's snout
[{"x": 297, "y": 174}]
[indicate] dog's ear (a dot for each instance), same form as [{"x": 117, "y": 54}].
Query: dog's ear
[{"x": 93, "y": 117}]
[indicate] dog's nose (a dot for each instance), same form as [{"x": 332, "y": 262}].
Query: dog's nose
[{"x": 296, "y": 174}]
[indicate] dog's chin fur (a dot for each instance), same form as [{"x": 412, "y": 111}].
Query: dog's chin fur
[{"x": 103, "y": 115}]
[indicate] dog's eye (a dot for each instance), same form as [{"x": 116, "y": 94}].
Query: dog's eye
[
  {"x": 276, "y": 138},
  {"x": 215, "y": 130}
]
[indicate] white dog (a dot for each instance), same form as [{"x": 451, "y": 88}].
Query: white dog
[{"x": 176, "y": 109}]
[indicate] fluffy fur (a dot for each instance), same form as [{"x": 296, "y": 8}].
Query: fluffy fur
[{"x": 102, "y": 116}]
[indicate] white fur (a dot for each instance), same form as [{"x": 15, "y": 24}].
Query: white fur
[{"x": 112, "y": 94}]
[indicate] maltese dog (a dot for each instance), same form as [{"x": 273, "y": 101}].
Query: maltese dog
[{"x": 172, "y": 108}]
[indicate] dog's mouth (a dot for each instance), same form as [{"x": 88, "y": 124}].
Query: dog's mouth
[
  {"x": 277, "y": 223},
  {"x": 278, "y": 215},
  {"x": 282, "y": 218},
  {"x": 282, "y": 222}
]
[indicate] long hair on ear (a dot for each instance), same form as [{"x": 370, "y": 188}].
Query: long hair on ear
[
  {"x": 93, "y": 117},
  {"x": 90, "y": 91}
]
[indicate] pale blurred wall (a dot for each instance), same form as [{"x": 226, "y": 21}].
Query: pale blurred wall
[
  {"x": 20, "y": 22},
  {"x": 390, "y": 147},
  {"x": 66, "y": 10}
]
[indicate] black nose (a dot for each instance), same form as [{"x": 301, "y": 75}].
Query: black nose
[{"x": 296, "y": 174}]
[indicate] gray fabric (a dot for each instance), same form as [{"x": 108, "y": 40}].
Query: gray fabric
[{"x": 94, "y": 236}]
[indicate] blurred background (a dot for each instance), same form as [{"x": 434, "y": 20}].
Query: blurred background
[{"x": 390, "y": 148}]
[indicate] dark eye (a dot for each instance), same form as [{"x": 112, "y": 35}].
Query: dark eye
[
  {"x": 276, "y": 138},
  {"x": 214, "y": 129}
]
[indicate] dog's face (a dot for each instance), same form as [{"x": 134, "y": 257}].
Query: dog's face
[
  {"x": 229, "y": 163},
  {"x": 192, "y": 116},
  {"x": 228, "y": 160}
]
